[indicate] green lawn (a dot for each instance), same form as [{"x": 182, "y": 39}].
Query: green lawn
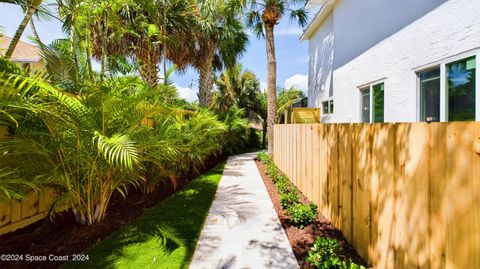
[{"x": 163, "y": 237}]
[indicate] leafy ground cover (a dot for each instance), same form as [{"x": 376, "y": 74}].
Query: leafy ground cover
[
  {"x": 303, "y": 238},
  {"x": 164, "y": 237}
]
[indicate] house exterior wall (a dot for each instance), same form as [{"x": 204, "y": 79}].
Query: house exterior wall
[
  {"x": 37, "y": 66},
  {"x": 388, "y": 40},
  {"x": 321, "y": 64}
]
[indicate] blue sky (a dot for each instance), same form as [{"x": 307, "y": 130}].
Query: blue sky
[{"x": 292, "y": 54}]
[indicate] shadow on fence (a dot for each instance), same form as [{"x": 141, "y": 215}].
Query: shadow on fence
[{"x": 405, "y": 195}]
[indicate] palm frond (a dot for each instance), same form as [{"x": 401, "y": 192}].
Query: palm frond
[{"x": 118, "y": 150}]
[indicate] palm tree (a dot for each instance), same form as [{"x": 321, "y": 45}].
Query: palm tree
[
  {"x": 28, "y": 15},
  {"x": 234, "y": 87},
  {"x": 146, "y": 30},
  {"x": 220, "y": 39},
  {"x": 262, "y": 18},
  {"x": 288, "y": 97}
]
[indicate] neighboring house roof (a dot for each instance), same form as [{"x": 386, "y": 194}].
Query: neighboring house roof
[
  {"x": 322, "y": 14},
  {"x": 23, "y": 53}
]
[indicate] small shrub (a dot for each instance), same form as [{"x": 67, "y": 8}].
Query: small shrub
[
  {"x": 263, "y": 157},
  {"x": 280, "y": 177},
  {"x": 289, "y": 199},
  {"x": 283, "y": 186},
  {"x": 324, "y": 255},
  {"x": 272, "y": 171},
  {"x": 303, "y": 215}
]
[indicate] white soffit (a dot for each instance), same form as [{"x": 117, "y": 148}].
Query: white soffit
[{"x": 317, "y": 21}]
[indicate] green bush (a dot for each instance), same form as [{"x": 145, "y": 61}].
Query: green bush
[
  {"x": 283, "y": 186},
  {"x": 254, "y": 139},
  {"x": 263, "y": 157},
  {"x": 324, "y": 254},
  {"x": 302, "y": 215},
  {"x": 289, "y": 199},
  {"x": 272, "y": 171},
  {"x": 280, "y": 178}
]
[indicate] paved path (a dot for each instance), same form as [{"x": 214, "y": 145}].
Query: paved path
[{"x": 242, "y": 230}]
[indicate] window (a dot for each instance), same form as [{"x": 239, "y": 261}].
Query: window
[
  {"x": 327, "y": 107},
  {"x": 461, "y": 90},
  {"x": 373, "y": 103},
  {"x": 366, "y": 104},
  {"x": 430, "y": 95},
  {"x": 378, "y": 102},
  {"x": 330, "y": 106},
  {"x": 455, "y": 101}
]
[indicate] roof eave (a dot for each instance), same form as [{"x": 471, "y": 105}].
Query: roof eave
[
  {"x": 26, "y": 60},
  {"x": 319, "y": 18},
  {"x": 315, "y": 3}
]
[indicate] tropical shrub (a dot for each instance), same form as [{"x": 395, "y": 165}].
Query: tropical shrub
[
  {"x": 283, "y": 186},
  {"x": 325, "y": 255},
  {"x": 289, "y": 199},
  {"x": 91, "y": 144},
  {"x": 302, "y": 215},
  {"x": 263, "y": 157},
  {"x": 254, "y": 138},
  {"x": 272, "y": 171},
  {"x": 238, "y": 131}
]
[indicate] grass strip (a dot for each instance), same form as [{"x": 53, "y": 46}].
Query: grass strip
[{"x": 163, "y": 237}]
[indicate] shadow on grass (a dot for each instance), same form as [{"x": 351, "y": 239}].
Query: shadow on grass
[{"x": 163, "y": 237}]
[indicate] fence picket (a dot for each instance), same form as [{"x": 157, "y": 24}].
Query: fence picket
[{"x": 405, "y": 195}]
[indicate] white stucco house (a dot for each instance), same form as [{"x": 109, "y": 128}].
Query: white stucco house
[{"x": 394, "y": 60}]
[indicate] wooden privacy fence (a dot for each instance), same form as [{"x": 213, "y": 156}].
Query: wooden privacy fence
[
  {"x": 404, "y": 195},
  {"x": 16, "y": 214}
]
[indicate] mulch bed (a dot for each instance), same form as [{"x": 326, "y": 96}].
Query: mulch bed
[
  {"x": 64, "y": 236},
  {"x": 302, "y": 240}
]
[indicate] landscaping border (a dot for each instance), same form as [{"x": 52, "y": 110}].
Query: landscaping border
[{"x": 302, "y": 240}]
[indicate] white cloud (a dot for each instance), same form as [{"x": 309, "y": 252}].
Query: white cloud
[
  {"x": 299, "y": 81},
  {"x": 263, "y": 86},
  {"x": 188, "y": 94}
]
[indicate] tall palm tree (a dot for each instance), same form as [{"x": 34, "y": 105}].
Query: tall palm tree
[
  {"x": 146, "y": 30},
  {"x": 220, "y": 39},
  {"x": 28, "y": 15},
  {"x": 262, "y": 17}
]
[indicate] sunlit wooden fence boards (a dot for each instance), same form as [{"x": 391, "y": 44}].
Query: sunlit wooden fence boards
[
  {"x": 404, "y": 195},
  {"x": 16, "y": 214}
]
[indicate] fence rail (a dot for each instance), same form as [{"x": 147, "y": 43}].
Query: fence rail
[{"x": 404, "y": 195}]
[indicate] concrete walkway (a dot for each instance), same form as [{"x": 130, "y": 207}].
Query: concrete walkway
[{"x": 242, "y": 230}]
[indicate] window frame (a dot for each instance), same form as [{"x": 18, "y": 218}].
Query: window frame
[
  {"x": 442, "y": 64},
  {"x": 369, "y": 87},
  {"x": 419, "y": 91},
  {"x": 328, "y": 103}
]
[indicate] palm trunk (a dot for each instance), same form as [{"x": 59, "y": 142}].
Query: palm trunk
[
  {"x": 149, "y": 72},
  {"x": 272, "y": 85},
  {"x": 264, "y": 134},
  {"x": 21, "y": 28},
  {"x": 206, "y": 81},
  {"x": 35, "y": 33}
]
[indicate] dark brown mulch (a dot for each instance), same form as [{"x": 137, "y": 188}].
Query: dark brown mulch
[
  {"x": 302, "y": 239},
  {"x": 65, "y": 236}
]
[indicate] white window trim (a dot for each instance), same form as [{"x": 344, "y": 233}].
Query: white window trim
[
  {"x": 370, "y": 89},
  {"x": 328, "y": 106},
  {"x": 443, "y": 82}
]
